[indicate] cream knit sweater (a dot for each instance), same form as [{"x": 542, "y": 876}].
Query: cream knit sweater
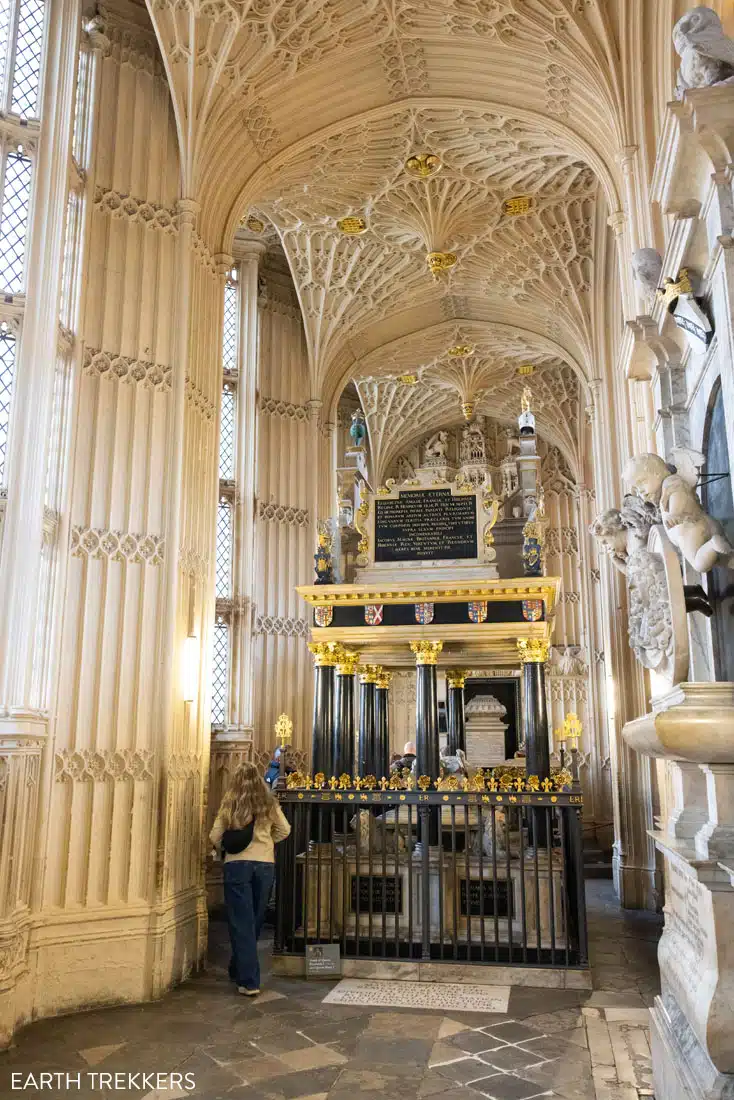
[{"x": 268, "y": 831}]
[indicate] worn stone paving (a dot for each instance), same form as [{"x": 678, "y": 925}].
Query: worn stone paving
[{"x": 289, "y": 1044}]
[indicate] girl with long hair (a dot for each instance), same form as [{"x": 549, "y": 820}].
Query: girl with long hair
[{"x": 248, "y": 875}]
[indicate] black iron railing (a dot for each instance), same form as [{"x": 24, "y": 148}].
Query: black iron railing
[{"x": 435, "y": 875}]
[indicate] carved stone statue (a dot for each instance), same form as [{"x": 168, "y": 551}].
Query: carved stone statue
[
  {"x": 473, "y": 447},
  {"x": 510, "y": 480},
  {"x": 454, "y": 765},
  {"x": 623, "y": 536},
  {"x": 706, "y": 53},
  {"x": 405, "y": 469},
  {"x": 436, "y": 448},
  {"x": 699, "y": 537},
  {"x": 647, "y": 265}
]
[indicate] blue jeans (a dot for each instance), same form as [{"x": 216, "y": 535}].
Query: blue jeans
[{"x": 247, "y": 887}]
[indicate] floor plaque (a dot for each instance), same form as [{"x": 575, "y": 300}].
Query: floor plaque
[{"x": 450, "y": 997}]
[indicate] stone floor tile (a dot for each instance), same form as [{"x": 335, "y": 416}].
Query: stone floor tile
[
  {"x": 449, "y": 1027},
  {"x": 433, "y": 1084},
  {"x": 295, "y": 1085},
  {"x": 509, "y": 1059},
  {"x": 633, "y": 1016},
  {"x": 408, "y": 1025},
  {"x": 548, "y": 1023},
  {"x": 512, "y": 1032},
  {"x": 312, "y": 1057},
  {"x": 612, "y": 999},
  {"x": 441, "y": 1053},
  {"x": 600, "y": 1046},
  {"x": 463, "y": 1071},
  {"x": 261, "y": 1068},
  {"x": 95, "y": 1056},
  {"x": 374, "y": 1049},
  {"x": 474, "y": 1042},
  {"x": 554, "y": 1047},
  {"x": 506, "y": 1086}
]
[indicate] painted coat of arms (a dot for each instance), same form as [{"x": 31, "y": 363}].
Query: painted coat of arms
[
  {"x": 323, "y": 615},
  {"x": 532, "y": 610},
  {"x": 373, "y": 614},
  {"x": 478, "y": 611},
  {"x": 424, "y": 613}
]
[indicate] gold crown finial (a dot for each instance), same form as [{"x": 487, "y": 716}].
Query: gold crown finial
[
  {"x": 572, "y": 727},
  {"x": 284, "y": 729}
]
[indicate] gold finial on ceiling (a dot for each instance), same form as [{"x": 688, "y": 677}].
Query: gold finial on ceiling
[
  {"x": 467, "y": 408},
  {"x": 439, "y": 262},
  {"x": 352, "y": 226},
  {"x": 255, "y": 225},
  {"x": 408, "y": 379},
  {"x": 526, "y": 368},
  {"x": 460, "y": 351},
  {"x": 518, "y": 204},
  {"x": 423, "y": 165}
]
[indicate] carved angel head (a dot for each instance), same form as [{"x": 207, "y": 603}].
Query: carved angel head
[
  {"x": 610, "y": 532},
  {"x": 644, "y": 476}
]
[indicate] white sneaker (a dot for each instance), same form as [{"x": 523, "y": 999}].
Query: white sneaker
[{"x": 247, "y": 992}]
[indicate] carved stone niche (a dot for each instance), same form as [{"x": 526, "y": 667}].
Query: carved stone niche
[{"x": 485, "y": 731}]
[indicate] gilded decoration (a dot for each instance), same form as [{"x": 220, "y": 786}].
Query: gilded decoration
[
  {"x": 439, "y": 262},
  {"x": 326, "y": 654},
  {"x": 360, "y": 519},
  {"x": 460, "y": 351},
  {"x": 426, "y": 653},
  {"x": 352, "y": 226},
  {"x": 673, "y": 289},
  {"x": 369, "y": 674},
  {"x": 517, "y": 205},
  {"x": 383, "y": 678},
  {"x": 284, "y": 730},
  {"x": 423, "y": 165},
  {"x": 456, "y": 677},
  {"x": 533, "y": 650},
  {"x": 408, "y": 379},
  {"x": 502, "y": 780},
  {"x": 347, "y": 663}
]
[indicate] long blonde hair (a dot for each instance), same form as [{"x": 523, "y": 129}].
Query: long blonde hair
[{"x": 248, "y": 796}]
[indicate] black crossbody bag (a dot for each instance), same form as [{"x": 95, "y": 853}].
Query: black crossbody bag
[{"x": 236, "y": 840}]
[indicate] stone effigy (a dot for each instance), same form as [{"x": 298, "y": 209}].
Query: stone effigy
[{"x": 706, "y": 53}]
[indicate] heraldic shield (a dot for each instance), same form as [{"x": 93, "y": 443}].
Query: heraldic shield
[
  {"x": 373, "y": 614},
  {"x": 532, "y": 610},
  {"x": 323, "y": 615},
  {"x": 424, "y": 613},
  {"x": 478, "y": 611}
]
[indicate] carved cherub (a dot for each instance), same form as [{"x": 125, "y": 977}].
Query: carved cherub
[{"x": 699, "y": 537}]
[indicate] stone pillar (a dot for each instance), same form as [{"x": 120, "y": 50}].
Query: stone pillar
[
  {"x": 382, "y": 723},
  {"x": 533, "y": 656},
  {"x": 367, "y": 686},
  {"x": 343, "y": 739},
  {"x": 456, "y": 721},
  {"x": 325, "y": 658},
  {"x": 247, "y": 254},
  {"x": 426, "y": 707}
]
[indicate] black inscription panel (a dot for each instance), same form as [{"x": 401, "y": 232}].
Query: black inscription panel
[
  {"x": 381, "y": 887},
  {"x": 504, "y": 898},
  {"x": 428, "y": 524}
]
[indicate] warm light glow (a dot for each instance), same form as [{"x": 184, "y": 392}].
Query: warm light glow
[{"x": 190, "y": 669}]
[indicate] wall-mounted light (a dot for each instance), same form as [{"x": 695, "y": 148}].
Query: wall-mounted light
[{"x": 190, "y": 669}]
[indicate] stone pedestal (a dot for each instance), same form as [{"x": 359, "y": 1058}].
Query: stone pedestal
[{"x": 485, "y": 731}]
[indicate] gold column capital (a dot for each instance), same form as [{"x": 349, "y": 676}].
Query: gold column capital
[
  {"x": 456, "y": 677},
  {"x": 347, "y": 662},
  {"x": 426, "y": 653},
  {"x": 325, "y": 654},
  {"x": 368, "y": 674},
  {"x": 533, "y": 650},
  {"x": 383, "y": 678}
]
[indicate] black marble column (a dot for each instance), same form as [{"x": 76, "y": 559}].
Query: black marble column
[
  {"x": 325, "y": 654},
  {"x": 382, "y": 724},
  {"x": 343, "y": 739},
  {"x": 456, "y": 722},
  {"x": 426, "y": 707},
  {"x": 533, "y": 655},
  {"x": 366, "y": 752}
]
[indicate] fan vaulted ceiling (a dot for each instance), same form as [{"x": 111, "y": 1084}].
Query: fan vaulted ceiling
[{"x": 305, "y": 111}]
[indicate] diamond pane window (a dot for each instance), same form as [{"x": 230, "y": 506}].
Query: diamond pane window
[
  {"x": 220, "y": 673},
  {"x": 231, "y": 326},
  {"x": 226, "y": 435},
  {"x": 4, "y": 42},
  {"x": 28, "y": 49},
  {"x": 14, "y": 221},
  {"x": 7, "y": 375},
  {"x": 223, "y": 585}
]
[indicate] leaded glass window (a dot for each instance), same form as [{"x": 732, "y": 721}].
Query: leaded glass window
[
  {"x": 7, "y": 377},
  {"x": 220, "y": 673},
  {"x": 16, "y": 195},
  {"x": 223, "y": 583},
  {"x": 231, "y": 326},
  {"x": 28, "y": 49},
  {"x": 227, "y": 434}
]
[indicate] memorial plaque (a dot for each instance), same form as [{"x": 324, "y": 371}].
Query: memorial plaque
[
  {"x": 427, "y": 524},
  {"x": 489, "y": 887},
  {"x": 381, "y": 887},
  {"x": 323, "y": 960}
]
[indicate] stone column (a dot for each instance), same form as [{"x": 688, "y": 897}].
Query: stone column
[
  {"x": 247, "y": 254},
  {"x": 343, "y": 739},
  {"x": 426, "y": 707},
  {"x": 325, "y": 658},
  {"x": 533, "y": 656},
  {"x": 456, "y": 721},
  {"x": 367, "y": 683},
  {"x": 382, "y": 723}
]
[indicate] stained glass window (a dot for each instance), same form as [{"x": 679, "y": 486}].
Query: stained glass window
[
  {"x": 220, "y": 673},
  {"x": 28, "y": 50},
  {"x": 226, "y": 435},
  {"x": 16, "y": 195},
  {"x": 231, "y": 326},
  {"x": 7, "y": 374},
  {"x": 223, "y": 583}
]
